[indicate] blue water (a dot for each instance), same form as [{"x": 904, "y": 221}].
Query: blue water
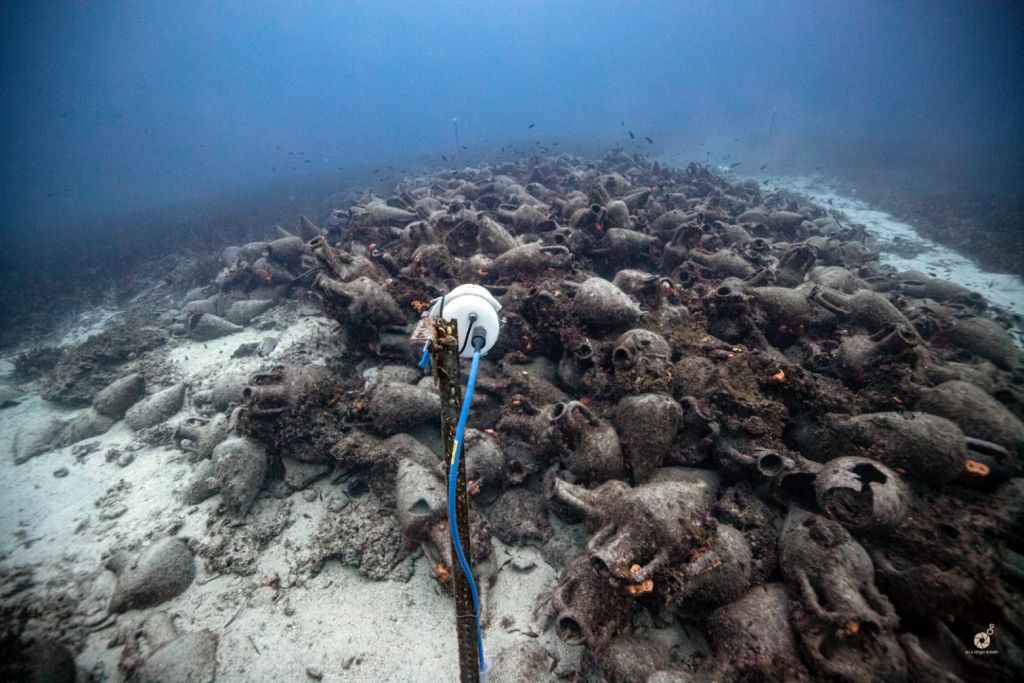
[{"x": 113, "y": 107}]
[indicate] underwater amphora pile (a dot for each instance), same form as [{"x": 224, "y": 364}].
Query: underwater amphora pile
[{"x": 748, "y": 423}]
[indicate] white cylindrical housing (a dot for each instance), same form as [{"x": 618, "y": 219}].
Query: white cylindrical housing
[{"x": 463, "y": 302}]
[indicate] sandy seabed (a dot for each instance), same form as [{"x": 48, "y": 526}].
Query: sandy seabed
[
  {"x": 272, "y": 625},
  {"x": 64, "y": 511}
]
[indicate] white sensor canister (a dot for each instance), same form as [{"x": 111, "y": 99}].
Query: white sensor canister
[{"x": 472, "y": 308}]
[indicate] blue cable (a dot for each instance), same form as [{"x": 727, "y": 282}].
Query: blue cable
[
  {"x": 453, "y": 475},
  {"x": 425, "y": 359}
]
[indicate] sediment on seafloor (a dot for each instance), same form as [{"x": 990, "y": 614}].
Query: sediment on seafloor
[{"x": 718, "y": 438}]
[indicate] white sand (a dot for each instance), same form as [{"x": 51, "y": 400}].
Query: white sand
[
  {"x": 340, "y": 623},
  {"x": 894, "y": 238},
  {"x": 346, "y": 626}
]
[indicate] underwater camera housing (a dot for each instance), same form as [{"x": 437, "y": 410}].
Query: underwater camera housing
[{"x": 475, "y": 310}]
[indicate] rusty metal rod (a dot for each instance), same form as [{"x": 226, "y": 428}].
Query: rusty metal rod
[{"x": 445, "y": 355}]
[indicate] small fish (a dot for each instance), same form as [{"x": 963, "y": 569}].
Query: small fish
[
  {"x": 531, "y": 125},
  {"x": 622, "y": 123},
  {"x": 464, "y": 147},
  {"x": 764, "y": 167},
  {"x": 734, "y": 165},
  {"x": 649, "y": 140},
  {"x": 631, "y": 136},
  {"x": 377, "y": 170},
  {"x": 444, "y": 157}
]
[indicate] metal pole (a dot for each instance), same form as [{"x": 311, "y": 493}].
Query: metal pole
[{"x": 445, "y": 353}]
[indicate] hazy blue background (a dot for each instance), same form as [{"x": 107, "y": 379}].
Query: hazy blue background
[{"x": 111, "y": 107}]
